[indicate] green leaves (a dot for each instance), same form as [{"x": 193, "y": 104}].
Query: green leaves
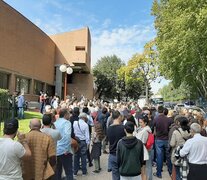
[
  {"x": 105, "y": 75},
  {"x": 182, "y": 41}
]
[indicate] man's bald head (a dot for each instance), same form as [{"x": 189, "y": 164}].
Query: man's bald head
[{"x": 35, "y": 124}]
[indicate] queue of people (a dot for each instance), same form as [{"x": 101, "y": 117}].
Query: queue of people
[{"x": 76, "y": 133}]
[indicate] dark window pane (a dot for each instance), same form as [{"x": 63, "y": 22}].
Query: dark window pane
[{"x": 4, "y": 80}]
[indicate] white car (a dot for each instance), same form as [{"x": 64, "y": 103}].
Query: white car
[{"x": 178, "y": 107}]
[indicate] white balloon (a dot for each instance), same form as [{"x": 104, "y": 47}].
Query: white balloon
[
  {"x": 63, "y": 68},
  {"x": 69, "y": 70}
]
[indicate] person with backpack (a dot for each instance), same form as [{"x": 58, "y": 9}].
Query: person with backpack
[
  {"x": 179, "y": 136},
  {"x": 144, "y": 133}
]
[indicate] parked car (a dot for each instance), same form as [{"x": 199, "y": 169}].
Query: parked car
[
  {"x": 195, "y": 108},
  {"x": 178, "y": 107},
  {"x": 189, "y": 104}
]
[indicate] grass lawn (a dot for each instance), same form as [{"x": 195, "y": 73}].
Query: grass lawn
[{"x": 24, "y": 123}]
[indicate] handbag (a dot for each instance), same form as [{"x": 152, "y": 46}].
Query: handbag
[{"x": 75, "y": 144}]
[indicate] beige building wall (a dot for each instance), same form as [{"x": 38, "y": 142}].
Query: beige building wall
[
  {"x": 82, "y": 85},
  {"x": 73, "y": 47},
  {"x": 26, "y": 51}
]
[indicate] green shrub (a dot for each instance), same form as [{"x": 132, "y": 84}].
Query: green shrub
[{"x": 4, "y": 104}]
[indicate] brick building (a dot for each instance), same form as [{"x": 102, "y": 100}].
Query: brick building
[{"x": 30, "y": 59}]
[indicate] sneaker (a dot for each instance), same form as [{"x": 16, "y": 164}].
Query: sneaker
[
  {"x": 155, "y": 174},
  {"x": 100, "y": 169}
]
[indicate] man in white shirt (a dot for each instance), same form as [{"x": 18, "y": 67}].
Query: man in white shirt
[
  {"x": 11, "y": 152},
  {"x": 81, "y": 131},
  {"x": 196, "y": 151}
]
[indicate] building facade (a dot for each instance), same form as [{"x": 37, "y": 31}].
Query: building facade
[{"x": 30, "y": 59}]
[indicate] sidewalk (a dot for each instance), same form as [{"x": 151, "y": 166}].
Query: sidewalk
[{"x": 104, "y": 175}]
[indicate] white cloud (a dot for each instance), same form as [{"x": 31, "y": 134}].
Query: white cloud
[
  {"x": 122, "y": 41},
  {"x": 158, "y": 84}
]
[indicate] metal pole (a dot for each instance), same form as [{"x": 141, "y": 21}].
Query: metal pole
[
  {"x": 65, "y": 86},
  {"x": 13, "y": 106}
]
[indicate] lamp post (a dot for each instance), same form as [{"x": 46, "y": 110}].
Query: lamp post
[{"x": 67, "y": 70}]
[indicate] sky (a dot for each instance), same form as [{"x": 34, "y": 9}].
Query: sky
[{"x": 117, "y": 27}]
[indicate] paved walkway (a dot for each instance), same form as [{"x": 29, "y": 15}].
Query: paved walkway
[{"x": 104, "y": 175}]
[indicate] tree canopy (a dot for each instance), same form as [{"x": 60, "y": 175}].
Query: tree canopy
[
  {"x": 105, "y": 75},
  {"x": 182, "y": 42},
  {"x": 140, "y": 71}
]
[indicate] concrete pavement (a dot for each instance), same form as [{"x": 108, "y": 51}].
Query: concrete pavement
[{"x": 104, "y": 175}]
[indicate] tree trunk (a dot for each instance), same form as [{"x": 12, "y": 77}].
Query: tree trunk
[{"x": 147, "y": 93}]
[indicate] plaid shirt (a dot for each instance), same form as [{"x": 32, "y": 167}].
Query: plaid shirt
[
  {"x": 42, "y": 148},
  {"x": 184, "y": 169}
]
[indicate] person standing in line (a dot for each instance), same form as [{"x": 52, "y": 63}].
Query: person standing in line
[
  {"x": 20, "y": 105},
  {"x": 11, "y": 152},
  {"x": 90, "y": 125},
  {"x": 196, "y": 152},
  {"x": 81, "y": 131},
  {"x": 42, "y": 102},
  {"x": 47, "y": 128},
  {"x": 64, "y": 151},
  {"x": 179, "y": 136},
  {"x": 143, "y": 134},
  {"x": 114, "y": 133},
  {"x": 97, "y": 138},
  {"x": 42, "y": 163},
  {"x": 130, "y": 155},
  {"x": 161, "y": 124}
]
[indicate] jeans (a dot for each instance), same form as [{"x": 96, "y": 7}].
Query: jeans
[
  {"x": 20, "y": 113},
  {"x": 177, "y": 168},
  {"x": 81, "y": 154},
  {"x": 149, "y": 165},
  {"x": 41, "y": 107},
  {"x": 161, "y": 149},
  {"x": 66, "y": 162},
  {"x": 114, "y": 167},
  {"x": 130, "y": 177}
]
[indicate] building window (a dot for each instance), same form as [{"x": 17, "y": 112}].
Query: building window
[
  {"x": 69, "y": 78},
  {"x": 80, "y": 48},
  {"x": 38, "y": 86},
  {"x": 22, "y": 85},
  {"x": 4, "y": 80}
]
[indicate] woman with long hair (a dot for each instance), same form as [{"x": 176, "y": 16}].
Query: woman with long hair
[
  {"x": 179, "y": 136},
  {"x": 143, "y": 134}
]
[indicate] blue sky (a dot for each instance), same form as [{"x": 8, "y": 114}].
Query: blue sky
[{"x": 117, "y": 27}]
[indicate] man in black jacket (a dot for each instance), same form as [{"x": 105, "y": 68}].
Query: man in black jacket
[
  {"x": 130, "y": 154},
  {"x": 114, "y": 133}
]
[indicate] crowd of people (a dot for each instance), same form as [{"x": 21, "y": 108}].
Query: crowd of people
[{"x": 72, "y": 135}]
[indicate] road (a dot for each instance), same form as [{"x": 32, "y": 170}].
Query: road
[{"x": 104, "y": 175}]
